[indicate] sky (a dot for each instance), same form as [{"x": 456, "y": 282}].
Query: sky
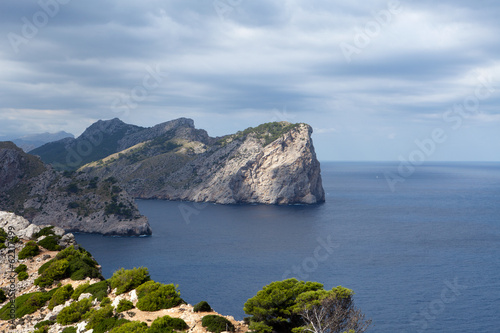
[{"x": 377, "y": 80}]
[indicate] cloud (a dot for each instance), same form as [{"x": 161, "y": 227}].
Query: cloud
[{"x": 254, "y": 61}]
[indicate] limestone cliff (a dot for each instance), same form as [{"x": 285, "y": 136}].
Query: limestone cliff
[
  {"x": 75, "y": 202},
  {"x": 274, "y": 163}
]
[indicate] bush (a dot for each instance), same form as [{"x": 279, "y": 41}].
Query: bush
[
  {"x": 168, "y": 323},
  {"x": 69, "y": 329},
  {"x": 29, "y": 250},
  {"x": 45, "y": 323},
  {"x": 50, "y": 243},
  {"x": 79, "y": 290},
  {"x": 94, "y": 317},
  {"x": 3, "y": 298},
  {"x": 202, "y": 307},
  {"x": 105, "y": 301},
  {"x": 80, "y": 265},
  {"x": 22, "y": 276},
  {"x": 108, "y": 324},
  {"x": 74, "y": 312},
  {"x": 57, "y": 270},
  {"x": 47, "y": 231},
  {"x": 61, "y": 296},
  {"x": 124, "y": 305},
  {"x": 99, "y": 290},
  {"x": 26, "y": 304},
  {"x": 21, "y": 268},
  {"x": 154, "y": 296},
  {"x": 131, "y": 327},
  {"x": 126, "y": 280},
  {"x": 217, "y": 324}
]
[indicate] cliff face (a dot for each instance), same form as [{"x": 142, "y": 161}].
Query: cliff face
[
  {"x": 74, "y": 202},
  {"x": 273, "y": 164}
]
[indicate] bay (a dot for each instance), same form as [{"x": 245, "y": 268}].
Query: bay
[{"x": 421, "y": 256}]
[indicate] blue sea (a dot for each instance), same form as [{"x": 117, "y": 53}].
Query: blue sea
[{"x": 422, "y": 256}]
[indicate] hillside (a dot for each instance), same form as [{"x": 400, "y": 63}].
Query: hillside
[
  {"x": 59, "y": 288},
  {"x": 72, "y": 201}
]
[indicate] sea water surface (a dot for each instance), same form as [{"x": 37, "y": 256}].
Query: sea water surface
[{"x": 422, "y": 258}]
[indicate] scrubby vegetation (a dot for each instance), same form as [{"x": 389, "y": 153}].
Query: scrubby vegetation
[
  {"x": 21, "y": 271},
  {"x": 76, "y": 264},
  {"x": 126, "y": 280},
  {"x": 167, "y": 324},
  {"x": 27, "y": 304},
  {"x": 47, "y": 231},
  {"x": 217, "y": 324},
  {"x": 29, "y": 250},
  {"x": 60, "y": 296},
  {"x": 154, "y": 296},
  {"x": 50, "y": 243},
  {"x": 74, "y": 312},
  {"x": 267, "y": 132},
  {"x": 203, "y": 306},
  {"x": 124, "y": 305},
  {"x": 98, "y": 290},
  {"x": 131, "y": 327}
]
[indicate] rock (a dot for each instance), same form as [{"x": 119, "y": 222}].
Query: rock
[
  {"x": 16, "y": 223},
  {"x": 84, "y": 296},
  {"x": 67, "y": 240},
  {"x": 133, "y": 296}
]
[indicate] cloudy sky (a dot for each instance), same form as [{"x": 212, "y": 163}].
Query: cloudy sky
[{"x": 377, "y": 80}]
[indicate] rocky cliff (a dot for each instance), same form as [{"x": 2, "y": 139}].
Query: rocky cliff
[
  {"x": 72, "y": 201},
  {"x": 274, "y": 163}
]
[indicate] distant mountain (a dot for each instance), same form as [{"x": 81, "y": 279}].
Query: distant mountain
[
  {"x": 74, "y": 202},
  {"x": 98, "y": 141},
  {"x": 30, "y": 142}
]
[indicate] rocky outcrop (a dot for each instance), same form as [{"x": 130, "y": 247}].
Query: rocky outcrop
[
  {"x": 74, "y": 202},
  {"x": 272, "y": 164}
]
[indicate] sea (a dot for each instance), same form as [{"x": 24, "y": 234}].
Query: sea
[{"x": 420, "y": 248}]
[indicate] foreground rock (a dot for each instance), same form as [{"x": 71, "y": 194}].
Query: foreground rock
[{"x": 74, "y": 202}]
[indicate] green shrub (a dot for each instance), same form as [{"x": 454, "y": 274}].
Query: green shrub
[
  {"x": 168, "y": 323},
  {"x": 3, "y": 298},
  {"x": 57, "y": 270},
  {"x": 50, "y": 243},
  {"x": 203, "y": 306},
  {"x": 21, "y": 268},
  {"x": 94, "y": 317},
  {"x": 45, "y": 323},
  {"x": 105, "y": 301},
  {"x": 26, "y": 304},
  {"x": 47, "y": 231},
  {"x": 108, "y": 324},
  {"x": 131, "y": 327},
  {"x": 126, "y": 280},
  {"x": 99, "y": 290},
  {"x": 70, "y": 329},
  {"x": 43, "y": 329},
  {"x": 217, "y": 324},
  {"x": 22, "y": 276},
  {"x": 79, "y": 290},
  {"x": 29, "y": 250},
  {"x": 74, "y": 312},
  {"x": 154, "y": 296},
  {"x": 124, "y": 305},
  {"x": 80, "y": 266},
  {"x": 61, "y": 296}
]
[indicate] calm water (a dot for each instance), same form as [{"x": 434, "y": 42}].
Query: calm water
[{"x": 425, "y": 257}]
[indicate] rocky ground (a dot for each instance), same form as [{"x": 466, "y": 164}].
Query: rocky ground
[{"x": 25, "y": 231}]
